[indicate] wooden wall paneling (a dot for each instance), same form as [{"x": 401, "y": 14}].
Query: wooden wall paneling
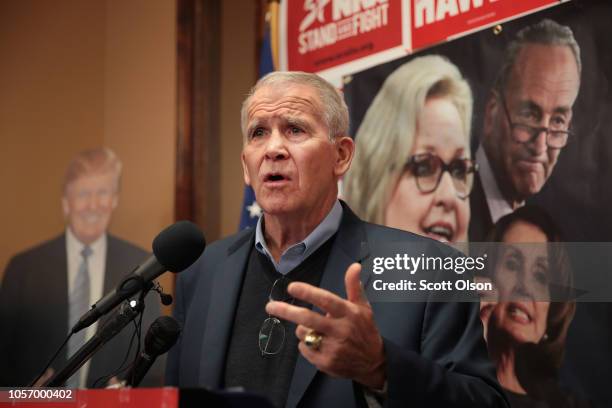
[{"x": 198, "y": 98}]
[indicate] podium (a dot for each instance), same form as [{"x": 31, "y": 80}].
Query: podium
[{"x": 167, "y": 397}]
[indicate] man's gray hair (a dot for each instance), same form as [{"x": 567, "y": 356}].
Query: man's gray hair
[
  {"x": 387, "y": 135},
  {"x": 87, "y": 162},
  {"x": 333, "y": 108},
  {"x": 546, "y": 32}
]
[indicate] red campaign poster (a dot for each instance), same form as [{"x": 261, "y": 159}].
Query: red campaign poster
[
  {"x": 435, "y": 21},
  {"x": 338, "y": 37},
  {"x": 323, "y": 34}
]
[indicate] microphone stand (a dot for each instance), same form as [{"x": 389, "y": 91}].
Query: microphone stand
[{"x": 114, "y": 325}]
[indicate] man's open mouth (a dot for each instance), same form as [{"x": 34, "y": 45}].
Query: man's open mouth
[{"x": 275, "y": 177}]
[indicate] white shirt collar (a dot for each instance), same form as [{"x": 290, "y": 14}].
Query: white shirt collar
[
  {"x": 75, "y": 246},
  {"x": 498, "y": 206}
]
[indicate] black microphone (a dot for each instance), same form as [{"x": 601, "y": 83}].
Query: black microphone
[
  {"x": 174, "y": 249},
  {"x": 162, "y": 335}
]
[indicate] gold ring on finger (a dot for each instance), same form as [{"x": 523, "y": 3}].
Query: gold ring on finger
[{"x": 313, "y": 340}]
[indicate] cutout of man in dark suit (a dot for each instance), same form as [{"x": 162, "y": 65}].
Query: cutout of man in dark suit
[{"x": 39, "y": 282}]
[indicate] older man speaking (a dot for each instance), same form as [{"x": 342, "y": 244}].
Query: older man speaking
[{"x": 245, "y": 305}]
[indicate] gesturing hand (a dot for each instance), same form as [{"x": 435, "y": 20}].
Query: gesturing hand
[{"x": 352, "y": 346}]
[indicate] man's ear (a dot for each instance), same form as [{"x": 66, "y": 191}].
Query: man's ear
[
  {"x": 491, "y": 112},
  {"x": 245, "y": 171},
  {"x": 345, "y": 150}
]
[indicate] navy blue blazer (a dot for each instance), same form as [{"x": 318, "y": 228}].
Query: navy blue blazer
[
  {"x": 34, "y": 312},
  {"x": 436, "y": 355}
]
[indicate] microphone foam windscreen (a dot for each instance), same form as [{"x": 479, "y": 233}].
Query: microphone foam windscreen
[
  {"x": 161, "y": 336},
  {"x": 179, "y": 246}
]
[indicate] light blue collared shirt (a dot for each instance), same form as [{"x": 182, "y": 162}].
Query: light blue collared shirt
[{"x": 297, "y": 253}]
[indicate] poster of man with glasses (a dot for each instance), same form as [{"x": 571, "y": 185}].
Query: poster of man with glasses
[{"x": 526, "y": 121}]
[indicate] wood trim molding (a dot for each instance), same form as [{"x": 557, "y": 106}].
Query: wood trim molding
[{"x": 198, "y": 189}]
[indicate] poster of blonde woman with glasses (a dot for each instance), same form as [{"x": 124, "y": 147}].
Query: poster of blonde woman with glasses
[{"x": 412, "y": 169}]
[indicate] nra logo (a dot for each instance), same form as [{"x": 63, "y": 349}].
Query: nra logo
[{"x": 328, "y": 21}]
